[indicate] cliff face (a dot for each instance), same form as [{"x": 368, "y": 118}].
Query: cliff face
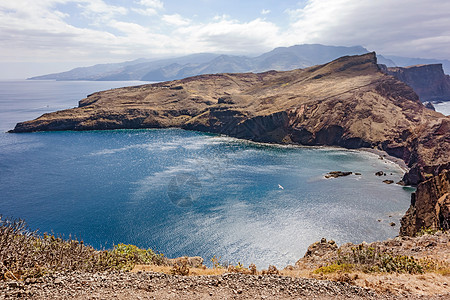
[
  {"x": 428, "y": 81},
  {"x": 430, "y": 208},
  {"x": 348, "y": 102}
]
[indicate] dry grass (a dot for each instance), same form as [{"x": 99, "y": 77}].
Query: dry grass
[
  {"x": 168, "y": 270},
  {"x": 27, "y": 254}
]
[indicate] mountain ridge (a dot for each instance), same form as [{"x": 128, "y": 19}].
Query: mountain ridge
[{"x": 279, "y": 59}]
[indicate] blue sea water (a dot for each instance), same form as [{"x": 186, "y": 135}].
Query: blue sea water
[{"x": 186, "y": 193}]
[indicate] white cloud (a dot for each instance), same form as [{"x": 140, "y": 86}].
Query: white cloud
[
  {"x": 157, "y": 4},
  {"x": 145, "y": 11},
  {"x": 100, "y": 12},
  {"x": 41, "y": 30},
  {"x": 394, "y": 27},
  {"x": 128, "y": 28},
  {"x": 231, "y": 35},
  {"x": 265, "y": 11},
  {"x": 175, "y": 20}
]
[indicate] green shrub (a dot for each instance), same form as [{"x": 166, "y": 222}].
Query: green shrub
[
  {"x": 425, "y": 231},
  {"x": 333, "y": 268}
]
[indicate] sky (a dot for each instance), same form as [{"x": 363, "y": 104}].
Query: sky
[{"x": 43, "y": 36}]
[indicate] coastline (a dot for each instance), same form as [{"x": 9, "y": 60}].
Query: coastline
[
  {"x": 377, "y": 152},
  {"x": 383, "y": 154}
]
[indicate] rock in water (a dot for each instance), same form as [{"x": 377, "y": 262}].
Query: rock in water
[
  {"x": 429, "y": 105},
  {"x": 335, "y": 174}
]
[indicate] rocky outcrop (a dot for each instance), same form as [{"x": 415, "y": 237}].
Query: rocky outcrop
[
  {"x": 430, "y": 206},
  {"x": 430, "y": 246},
  {"x": 336, "y": 174},
  {"x": 428, "y": 81},
  {"x": 193, "y": 262},
  {"x": 429, "y": 105}
]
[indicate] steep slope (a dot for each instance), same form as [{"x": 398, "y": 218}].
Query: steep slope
[
  {"x": 428, "y": 81},
  {"x": 401, "y": 61},
  {"x": 430, "y": 207}
]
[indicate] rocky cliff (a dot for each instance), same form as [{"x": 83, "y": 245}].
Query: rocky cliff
[
  {"x": 428, "y": 81},
  {"x": 348, "y": 102},
  {"x": 430, "y": 207}
]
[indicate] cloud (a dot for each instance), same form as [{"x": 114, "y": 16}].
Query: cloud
[
  {"x": 45, "y": 30},
  {"x": 157, "y": 4},
  {"x": 175, "y": 20},
  {"x": 227, "y": 35},
  {"x": 98, "y": 12},
  {"x": 402, "y": 27},
  {"x": 145, "y": 12},
  {"x": 151, "y": 7}
]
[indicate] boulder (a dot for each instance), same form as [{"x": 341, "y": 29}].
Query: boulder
[
  {"x": 335, "y": 174},
  {"x": 193, "y": 262}
]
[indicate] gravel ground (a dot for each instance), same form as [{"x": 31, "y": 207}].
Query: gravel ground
[{"x": 148, "y": 285}]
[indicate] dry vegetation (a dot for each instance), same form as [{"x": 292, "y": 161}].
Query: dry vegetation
[{"x": 27, "y": 254}]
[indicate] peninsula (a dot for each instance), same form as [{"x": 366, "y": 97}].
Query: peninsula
[{"x": 349, "y": 102}]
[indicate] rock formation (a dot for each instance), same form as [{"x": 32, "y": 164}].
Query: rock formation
[
  {"x": 430, "y": 207},
  {"x": 428, "y": 81},
  {"x": 348, "y": 102}
]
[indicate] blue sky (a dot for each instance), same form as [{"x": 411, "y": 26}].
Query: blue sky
[{"x": 40, "y": 36}]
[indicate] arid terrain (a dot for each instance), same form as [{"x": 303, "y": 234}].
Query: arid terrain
[{"x": 308, "y": 279}]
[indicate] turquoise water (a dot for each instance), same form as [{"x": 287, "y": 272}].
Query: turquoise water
[{"x": 190, "y": 193}]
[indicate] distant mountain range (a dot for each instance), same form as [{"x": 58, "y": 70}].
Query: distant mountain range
[{"x": 280, "y": 59}]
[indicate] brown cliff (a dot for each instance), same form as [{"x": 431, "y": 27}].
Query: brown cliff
[
  {"x": 428, "y": 81},
  {"x": 430, "y": 207},
  {"x": 348, "y": 102}
]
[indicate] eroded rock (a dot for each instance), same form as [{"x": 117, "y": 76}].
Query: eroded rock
[{"x": 430, "y": 206}]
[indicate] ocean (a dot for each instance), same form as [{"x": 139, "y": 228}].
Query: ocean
[{"x": 186, "y": 193}]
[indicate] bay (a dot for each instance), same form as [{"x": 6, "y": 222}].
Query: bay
[{"x": 186, "y": 193}]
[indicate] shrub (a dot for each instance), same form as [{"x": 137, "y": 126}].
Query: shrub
[
  {"x": 25, "y": 253},
  {"x": 369, "y": 259},
  {"x": 217, "y": 264},
  {"x": 272, "y": 270},
  {"x": 334, "y": 268},
  {"x": 180, "y": 268},
  {"x": 425, "y": 231}
]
